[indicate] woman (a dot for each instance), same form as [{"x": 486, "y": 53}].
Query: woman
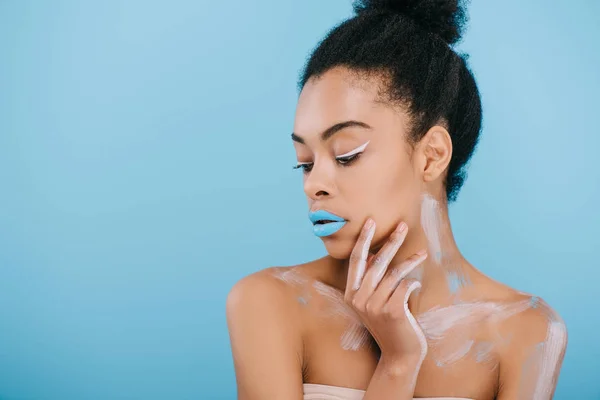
[{"x": 387, "y": 119}]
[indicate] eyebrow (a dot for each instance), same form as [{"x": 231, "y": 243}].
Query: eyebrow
[{"x": 329, "y": 132}]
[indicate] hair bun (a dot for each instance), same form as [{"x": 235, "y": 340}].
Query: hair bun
[{"x": 445, "y": 18}]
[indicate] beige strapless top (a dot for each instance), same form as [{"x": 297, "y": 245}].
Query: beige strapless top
[{"x": 313, "y": 391}]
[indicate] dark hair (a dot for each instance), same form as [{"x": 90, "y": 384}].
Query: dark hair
[{"x": 409, "y": 43}]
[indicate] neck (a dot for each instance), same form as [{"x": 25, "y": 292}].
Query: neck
[{"x": 445, "y": 271}]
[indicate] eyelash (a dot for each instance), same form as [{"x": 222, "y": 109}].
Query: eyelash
[{"x": 343, "y": 161}]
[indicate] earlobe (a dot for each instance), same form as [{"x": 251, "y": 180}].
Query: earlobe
[{"x": 437, "y": 151}]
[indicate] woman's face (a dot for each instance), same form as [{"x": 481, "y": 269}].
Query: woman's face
[{"x": 380, "y": 182}]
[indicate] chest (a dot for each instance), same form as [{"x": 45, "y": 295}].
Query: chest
[{"x": 455, "y": 366}]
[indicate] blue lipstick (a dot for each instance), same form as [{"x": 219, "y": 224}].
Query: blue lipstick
[{"x": 325, "y": 223}]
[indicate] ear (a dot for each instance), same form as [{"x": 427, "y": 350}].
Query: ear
[{"x": 435, "y": 149}]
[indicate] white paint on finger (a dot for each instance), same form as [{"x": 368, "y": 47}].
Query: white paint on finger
[
  {"x": 408, "y": 268},
  {"x": 382, "y": 263},
  {"x": 362, "y": 262},
  {"x": 418, "y": 331}
]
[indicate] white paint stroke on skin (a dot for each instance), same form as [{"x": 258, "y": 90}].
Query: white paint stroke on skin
[
  {"x": 550, "y": 354},
  {"x": 356, "y": 334},
  {"x": 530, "y": 370},
  {"x": 556, "y": 339},
  {"x": 441, "y": 325},
  {"x": 417, "y": 328},
  {"x": 431, "y": 221},
  {"x": 335, "y": 296},
  {"x": 540, "y": 372},
  {"x": 449, "y": 330},
  {"x": 452, "y": 336},
  {"x": 362, "y": 260},
  {"x": 438, "y": 321},
  {"x": 354, "y": 337},
  {"x": 456, "y": 353},
  {"x": 483, "y": 352},
  {"x": 456, "y": 279},
  {"x": 380, "y": 266},
  {"x": 295, "y": 279},
  {"x": 291, "y": 276}
]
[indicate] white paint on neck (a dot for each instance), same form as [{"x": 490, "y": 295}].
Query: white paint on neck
[{"x": 431, "y": 223}]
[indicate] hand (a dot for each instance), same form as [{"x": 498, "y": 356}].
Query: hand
[{"x": 381, "y": 299}]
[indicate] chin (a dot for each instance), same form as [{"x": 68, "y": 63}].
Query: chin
[{"x": 340, "y": 247}]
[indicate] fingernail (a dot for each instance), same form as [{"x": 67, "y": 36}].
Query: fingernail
[
  {"x": 401, "y": 227},
  {"x": 369, "y": 223},
  {"x": 422, "y": 252}
]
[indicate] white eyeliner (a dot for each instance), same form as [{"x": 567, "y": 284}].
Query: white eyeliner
[
  {"x": 350, "y": 153},
  {"x": 353, "y": 152}
]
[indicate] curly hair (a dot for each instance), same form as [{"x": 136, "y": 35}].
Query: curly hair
[{"x": 410, "y": 45}]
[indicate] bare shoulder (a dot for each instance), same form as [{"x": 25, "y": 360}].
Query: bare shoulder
[
  {"x": 534, "y": 322},
  {"x": 525, "y": 312},
  {"x": 264, "y": 291},
  {"x": 534, "y": 343},
  {"x": 278, "y": 291},
  {"x": 266, "y": 337},
  {"x": 521, "y": 320}
]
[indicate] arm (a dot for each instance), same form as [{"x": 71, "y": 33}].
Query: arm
[
  {"x": 530, "y": 365},
  {"x": 265, "y": 339}
]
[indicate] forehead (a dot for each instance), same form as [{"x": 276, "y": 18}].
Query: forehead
[{"x": 340, "y": 95}]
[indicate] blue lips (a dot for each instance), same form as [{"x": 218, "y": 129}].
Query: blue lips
[{"x": 328, "y": 228}]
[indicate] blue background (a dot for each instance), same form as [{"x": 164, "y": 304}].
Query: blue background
[{"x": 141, "y": 144}]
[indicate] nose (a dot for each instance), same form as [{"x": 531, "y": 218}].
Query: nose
[{"x": 319, "y": 181}]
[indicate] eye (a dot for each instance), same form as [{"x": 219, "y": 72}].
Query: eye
[
  {"x": 349, "y": 158},
  {"x": 345, "y": 161},
  {"x": 306, "y": 167}
]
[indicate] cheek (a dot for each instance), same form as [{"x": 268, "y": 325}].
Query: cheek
[
  {"x": 394, "y": 183},
  {"x": 396, "y": 194}
]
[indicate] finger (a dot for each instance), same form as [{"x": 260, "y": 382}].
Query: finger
[
  {"x": 370, "y": 258},
  {"x": 383, "y": 258},
  {"x": 407, "y": 266},
  {"x": 358, "y": 257},
  {"x": 391, "y": 281},
  {"x": 398, "y": 301},
  {"x": 397, "y": 305}
]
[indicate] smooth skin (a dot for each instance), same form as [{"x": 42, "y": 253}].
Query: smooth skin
[
  {"x": 380, "y": 299},
  {"x": 281, "y": 332}
]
